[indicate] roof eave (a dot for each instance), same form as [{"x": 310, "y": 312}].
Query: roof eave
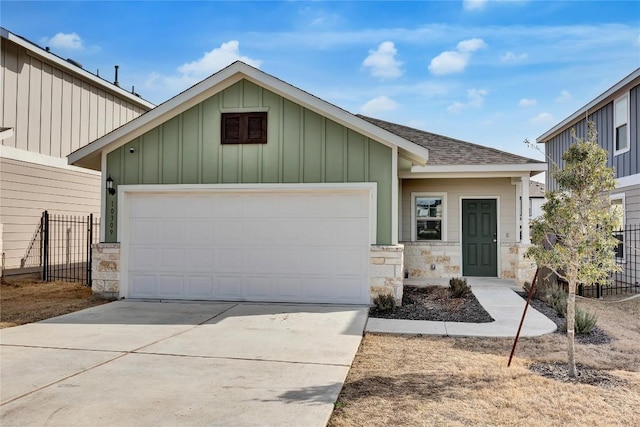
[
  {"x": 225, "y": 78},
  {"x": 48, "y": 56},
  {"x": 594, "y": 105}
]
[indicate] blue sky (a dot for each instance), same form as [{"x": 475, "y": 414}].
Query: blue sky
[{"x": 489, "y": 72}]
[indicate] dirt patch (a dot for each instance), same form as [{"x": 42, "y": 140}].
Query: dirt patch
[
  {"x": 28, "y": 301},
  {"x": 435, "y": 303}
]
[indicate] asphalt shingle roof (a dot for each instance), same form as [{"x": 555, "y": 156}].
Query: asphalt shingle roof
[
  {"x": 444, "y": 151},
  {"x": 536, "y": 189}
]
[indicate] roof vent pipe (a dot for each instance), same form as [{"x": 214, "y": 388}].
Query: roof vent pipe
[{"x": 116, "y": 81}]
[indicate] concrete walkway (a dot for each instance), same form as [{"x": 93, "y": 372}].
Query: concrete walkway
[{"x": 497, "y": 296}]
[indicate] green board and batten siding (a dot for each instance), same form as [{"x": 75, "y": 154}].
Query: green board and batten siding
[{"x": 302, "y": 147}]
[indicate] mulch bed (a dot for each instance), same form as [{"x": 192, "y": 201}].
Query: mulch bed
[
  {"x": 559, "y": 372},
  {"x": 597, "y": 336},
  {"x": 435, "y": 303}
]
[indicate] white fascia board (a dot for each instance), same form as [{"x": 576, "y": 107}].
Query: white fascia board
[
  {"x": 227, "y": 77},
  {"x": 529, "y": 167},
  {"x": 48, "y": 56},
  {"x": 628, "y": 181},
  {"x": 625, "y": 84}
]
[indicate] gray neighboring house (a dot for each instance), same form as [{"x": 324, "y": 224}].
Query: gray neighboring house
[
  {"x": 50, "y": 107},
  {"x": 616, "y": 114}
]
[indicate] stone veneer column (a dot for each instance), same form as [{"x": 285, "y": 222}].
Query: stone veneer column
[
  {"x": 105, "y": 270},
  {"x": 386, "y": 273},
  {"x": 515, "y": 265}
]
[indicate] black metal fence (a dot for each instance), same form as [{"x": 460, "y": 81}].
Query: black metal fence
[
  {"x": 627, "y": 280},
  {"x": 61, "y": 246}
]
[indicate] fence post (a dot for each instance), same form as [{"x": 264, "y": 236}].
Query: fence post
[
  {"x": 89, "y": 248},
  {"x": 45, "y": 246}
]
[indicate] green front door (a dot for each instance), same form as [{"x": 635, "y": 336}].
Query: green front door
[{"x": 479, "y": 238}]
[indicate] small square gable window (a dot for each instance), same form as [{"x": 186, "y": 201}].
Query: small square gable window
[{"x": 244, "y": 128}]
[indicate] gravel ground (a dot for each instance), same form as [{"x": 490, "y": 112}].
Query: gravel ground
[
  {"x": 597, "y": 336},
  {"x": 435, "y": 303}
]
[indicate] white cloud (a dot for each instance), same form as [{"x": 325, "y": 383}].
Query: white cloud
[
  {"x": 564, "y": 96},
  {"x": 382, "y": 61},
  {"x": 474, "y": 4},
  {"x": 475, "y": 99},
  {"x": 215, "y": 60},
  {"x": 513, "y": 57},
  {"x": 542, "y": 119},
  {"x": 71, "y": 41},
  {"x": 378, "y": 104},
  {"x": 471, "y": 45},
  {"x": 449, "y": 61},
  {"x": 527, "y": 102},
  {"x": 192, "y": 72}
]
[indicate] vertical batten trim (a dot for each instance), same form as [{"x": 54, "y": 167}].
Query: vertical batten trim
[
  {"x": 394, "y": 196},
  {"x": 345, "y": 154},
  {"x": 301, "y": 118},
  {"x": 103, "y": 195},
  {"x": 281, "y": 140},
  {"x": 180, "y": 148},
  {"x": 200, "y": 133},
  {"x": 160, "y": 153},
  {"x": 323, "y": 149}
]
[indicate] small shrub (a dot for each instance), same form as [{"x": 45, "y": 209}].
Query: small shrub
[
  {"x": 556, "y": 297},
  {"x": 459, "y": 287},
  {"x": 585, "y": 321},
  {"x": 384, "y": 303}
]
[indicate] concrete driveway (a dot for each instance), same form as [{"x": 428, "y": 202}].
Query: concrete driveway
[{"x": 167, "y": 364}]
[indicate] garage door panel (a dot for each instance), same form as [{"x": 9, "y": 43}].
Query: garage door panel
[
  {"x": 258, "y": 288},
  {"x": 145, "y": 230},
  {"x": 200, "y": 287},
  {"x": 257, "y": 260},
  {"x": 199, "y": 259},
  {"x": 145, "y": 206},
  {"x": 227, "y": 260},
  {"x": 229, "y": 287},
  {"x": 228, "y": 206},
  {"x": 143, "y": 258},
  {"x": 172, "y": 259},
  {"x": 170, "y": 286},
  {"x": 173, "y": 231},
  {"x": 228, "y": 231},
  {"x": 258, "y": 231},
  {"x": 272, "y": 246},
  {"x": 142, "y": 286},
  {"x": 201, "y": 232}
]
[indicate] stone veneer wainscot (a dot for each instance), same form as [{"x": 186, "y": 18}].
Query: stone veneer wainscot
[
  {"x": 105, "y": 270},
  {"x": 387, "y": 271}
]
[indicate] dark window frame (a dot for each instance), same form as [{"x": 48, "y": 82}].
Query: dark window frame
[{"x": 244, "y": 130}]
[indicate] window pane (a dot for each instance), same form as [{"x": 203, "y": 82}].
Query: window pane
[
  {"x": 621, "y": 137},
  {"x": 618, "y": 209},
  {"x": 620, "y": 112},
  {"x": 429, "y": 207},
  {"x": 429, "y": 230}
]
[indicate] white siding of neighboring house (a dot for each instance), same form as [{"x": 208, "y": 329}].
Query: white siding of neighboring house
[
  {"x": 51, "y": 110},
  {"x": 535, "y": 207}
]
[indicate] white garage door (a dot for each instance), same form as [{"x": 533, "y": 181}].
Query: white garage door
[{"x": 254, "y": 246}]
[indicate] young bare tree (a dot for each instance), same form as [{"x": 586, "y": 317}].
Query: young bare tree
[{"x": 574, "y": 236}]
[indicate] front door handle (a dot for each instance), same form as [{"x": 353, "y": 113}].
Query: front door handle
[{"x": 495, "y": 240}]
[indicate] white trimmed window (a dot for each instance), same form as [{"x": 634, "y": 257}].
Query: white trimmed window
[
  {"x": 618, "y": 208},
  {"x": 428, "y": 216},
  {"x": 621, "y": 124}
]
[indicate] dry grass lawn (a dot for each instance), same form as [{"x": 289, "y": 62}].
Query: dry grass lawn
[
  {"x": 436, "y": 381},
  {"x": 26, "y": 301}
]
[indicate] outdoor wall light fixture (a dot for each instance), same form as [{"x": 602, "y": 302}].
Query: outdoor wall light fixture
[{"x": 110, "y": 188}]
